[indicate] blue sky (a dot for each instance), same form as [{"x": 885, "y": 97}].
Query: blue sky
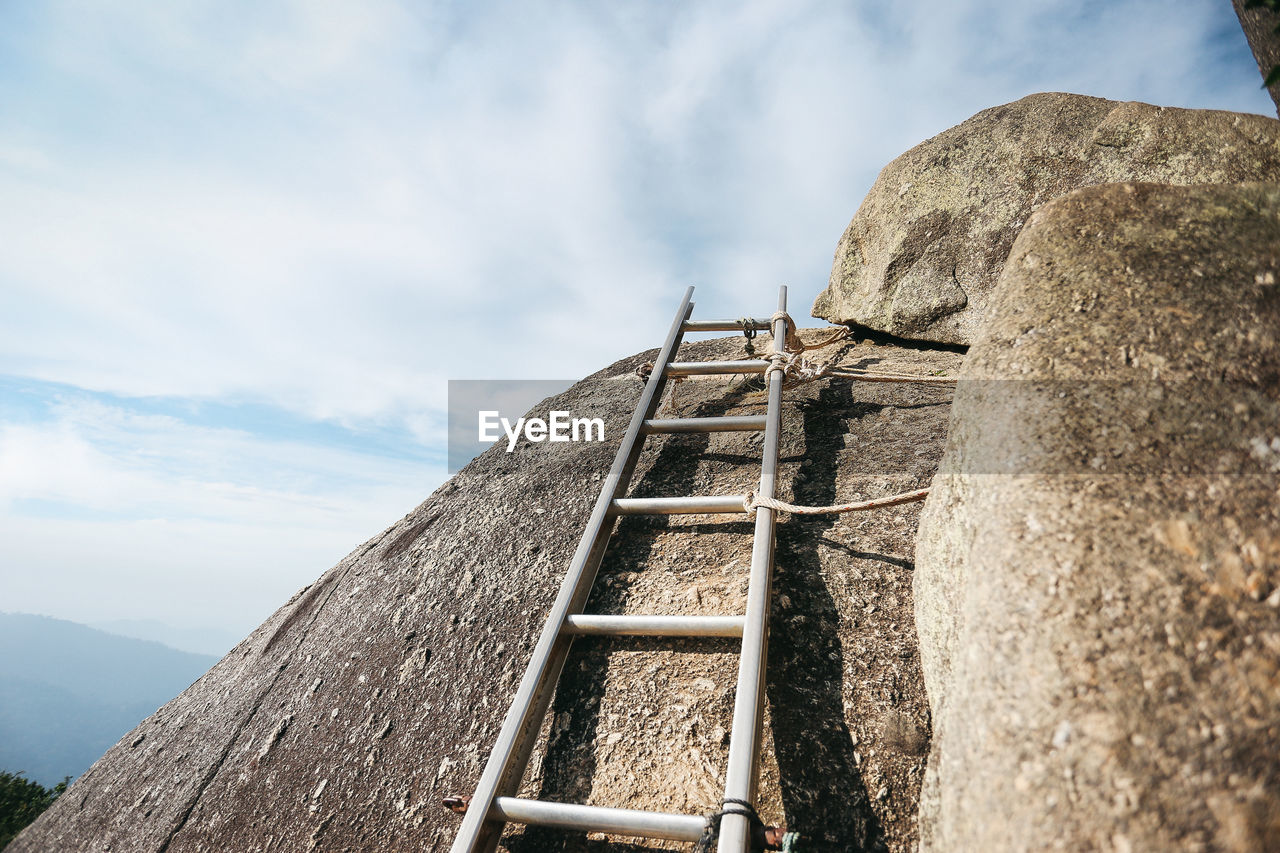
[{"x": 247, "y": 244}]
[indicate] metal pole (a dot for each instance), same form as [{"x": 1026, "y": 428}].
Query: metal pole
[
  {"x": 711, "y": 368},
  {"x": 599, "y": 819},
  {"x": 694, "y": 505},
  {"x": 748, "y": 707},
  {"x": 726, "y": 325},
  {"x": 519, "y": 732},
  {"x": 738, "y": 423},
  {"x": 654, "y": 626}
]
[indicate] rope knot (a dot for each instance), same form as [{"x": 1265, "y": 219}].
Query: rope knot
[
  {"x": 779, "y": 361},
  {"x": 711, "y": 830},
  {"x": 791, "y": 340}
]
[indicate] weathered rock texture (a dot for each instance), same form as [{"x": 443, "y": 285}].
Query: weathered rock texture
[
  {"x": 1097, "y": 593},
  {"x": 340, "y": 723},
  {"x": 1259, "y": 27},
  {"x": 920, "y": 257}
]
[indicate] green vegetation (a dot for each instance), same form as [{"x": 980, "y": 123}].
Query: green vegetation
[
  {"x": 1273, "y": 75},
  {"x": 22, "y": 801}
]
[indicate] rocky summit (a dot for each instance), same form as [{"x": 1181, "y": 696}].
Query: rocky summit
[{"x": 923, "y": 252}]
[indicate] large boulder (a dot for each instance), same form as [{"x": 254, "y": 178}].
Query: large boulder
[
  {"x": 923, "y": 252},
  {"x": 340, "y": 723},
  {"x": 1098, "y": 588}
]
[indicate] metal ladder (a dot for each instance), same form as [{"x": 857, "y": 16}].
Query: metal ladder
[{"x": 494, "y": 802}]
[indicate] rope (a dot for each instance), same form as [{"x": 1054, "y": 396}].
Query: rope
[
  {"x": 796, "y": 369},
  {"x": 711, "y": 830},
  {"x": 893, "y": 377},
  {"x": 838, "y": 334},
  {"x": 749, "y": 332},
  {"x": 792, "y": 342},
  {"x": 751, "y": 501}
]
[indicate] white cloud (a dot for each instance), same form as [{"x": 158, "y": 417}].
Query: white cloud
[
  {"x": 292, "y": 198},
  {"x": 107, "y": 513},
  {"x": 332, "y": 208},
  {"x": 108, "y": 459}
]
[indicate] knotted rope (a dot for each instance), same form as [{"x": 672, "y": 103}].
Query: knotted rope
[
  {"x": 837, "y": 334},
  {"x": 791, "y": 342},
  {"x": 760, "y": 833},
  {"x": 796, "y": 369},
  {"x": 749, "y": 331},
  {"x": 751, "y": 501},
  {"x": 711, "y": 831}
]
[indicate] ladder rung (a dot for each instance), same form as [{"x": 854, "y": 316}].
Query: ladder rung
[
  {"x": 725, "y": 325},
  {"x": 677, "y": 827},
  {"x": 731, "y": 424},
  {"x": 654, "y": 626},
  {"x": 701, "y": 504},
  {"x": 703, "y": 368}
]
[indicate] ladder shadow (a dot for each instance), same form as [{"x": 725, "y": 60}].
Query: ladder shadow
[
  {"x": 569, "y": 762},
  {"x": 823, "y": 792}
]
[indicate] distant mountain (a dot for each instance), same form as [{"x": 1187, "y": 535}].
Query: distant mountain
[
  {"x": 199, "y": 640},
  {"x": 68, "y": 691}
]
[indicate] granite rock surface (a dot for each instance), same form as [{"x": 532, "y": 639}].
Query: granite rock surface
[
  {"x": 923, "y": 253},
  {"x": 1098, "y": 590}
]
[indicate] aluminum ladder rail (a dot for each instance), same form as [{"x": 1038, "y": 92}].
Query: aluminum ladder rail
[{"x": 494, "y": 802}]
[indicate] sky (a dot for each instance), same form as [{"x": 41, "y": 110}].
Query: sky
[{"x": 247, "y": 244}]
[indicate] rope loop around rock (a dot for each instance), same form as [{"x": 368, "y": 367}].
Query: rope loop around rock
[{"x": 751, "y": 502}]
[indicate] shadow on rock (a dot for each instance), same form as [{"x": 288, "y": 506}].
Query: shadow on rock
[{"x": 823, "y": 791}]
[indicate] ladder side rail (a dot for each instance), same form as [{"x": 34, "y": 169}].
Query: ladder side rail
[
  {"x": 744, "y": 741},
  {"x": 510, "y": 754}
]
